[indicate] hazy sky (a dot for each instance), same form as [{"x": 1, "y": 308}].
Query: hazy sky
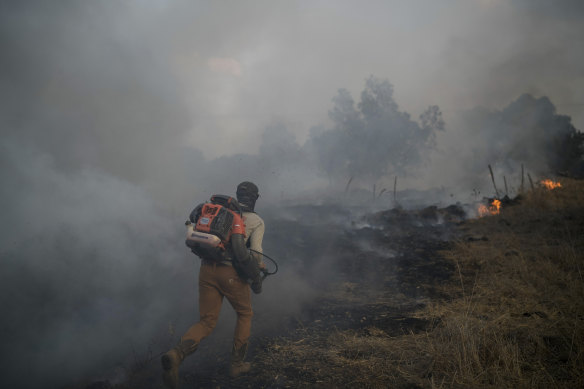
[
  {"x": 226, "y": 69},
  {"x": 148, "y": 91},
  {"x": 245, "y": 65}
]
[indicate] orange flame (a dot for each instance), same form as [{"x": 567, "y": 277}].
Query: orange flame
[
  {"x": 549, "y": 184},
  {"x": 493, "y": 209}
]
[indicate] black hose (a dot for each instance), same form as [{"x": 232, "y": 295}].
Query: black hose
[{"x": 271, "y": 260}]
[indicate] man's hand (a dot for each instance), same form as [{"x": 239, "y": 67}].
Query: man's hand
[{"x": 256, "y": 285}]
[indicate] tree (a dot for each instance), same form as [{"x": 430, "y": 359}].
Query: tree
[
  {"x": 376, "y": 138},
  {"x": 432, "y": 121},
  {"x": 528, "y": 131}
]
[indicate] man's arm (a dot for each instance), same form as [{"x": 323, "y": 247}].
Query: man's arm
[
  {"x": 245, "y": 265},
  {"x": 255, "y": 242},
  {"x": 254, "y": 227}
]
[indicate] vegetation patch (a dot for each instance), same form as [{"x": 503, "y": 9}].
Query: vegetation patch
[{"x": 510, "y": 315}]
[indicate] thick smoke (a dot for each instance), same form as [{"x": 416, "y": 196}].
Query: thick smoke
[
  {"x": 82, "y": 87},
  {"x": 118, "y": 117},
  {"x": 96, "y": 182},
  {"x": 372, "y": 142},
  {"x": 375, "y": 139},
  {"x": 92, "y": 265},
  {"x": 367, "y": 143},
  {"x": 92, "y": 269},
  {"x": 87, "y": 260},
  {"x": 527, "y": 132}
]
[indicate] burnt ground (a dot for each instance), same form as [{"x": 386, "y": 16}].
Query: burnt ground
[
  {"x": 372, "y": 271},
  {"x": 411, "y": 299},
  {"x": 368, "y": 273}
]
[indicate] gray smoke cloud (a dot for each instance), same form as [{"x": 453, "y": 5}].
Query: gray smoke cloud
[
  {"x": 86, "y": 264},
  {"x": 527, "y": 133},
  {"x": 118, "y": 117}
]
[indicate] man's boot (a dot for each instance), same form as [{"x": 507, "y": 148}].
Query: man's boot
[
  {"x": 238, "y": 366},
  {"x": 172, "y": 359}
]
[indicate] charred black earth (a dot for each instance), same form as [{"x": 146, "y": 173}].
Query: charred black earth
[{"x": 373, "y": 270}]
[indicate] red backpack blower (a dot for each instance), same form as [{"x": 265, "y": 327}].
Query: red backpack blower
[
  {"x": 213, "y": 224},
  {"x": 216, "y": 232}
]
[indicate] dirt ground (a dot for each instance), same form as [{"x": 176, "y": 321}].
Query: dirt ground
[{"x": 424, "y": 299}]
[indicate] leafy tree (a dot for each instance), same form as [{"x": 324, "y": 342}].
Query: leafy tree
[
  {"x": 374, "y": 138},
  {"x": 528, "y": 131},
  {"x": 432, "y": 121}
]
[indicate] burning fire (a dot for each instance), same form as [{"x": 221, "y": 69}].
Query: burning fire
[
  {"x": 549, "y": 184},
  {"x": 493, "y": 209}
]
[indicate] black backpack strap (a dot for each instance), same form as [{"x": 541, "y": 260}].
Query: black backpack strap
[
  {"x": 228, "y": 202},
  {"x": 196, "y": 213}
]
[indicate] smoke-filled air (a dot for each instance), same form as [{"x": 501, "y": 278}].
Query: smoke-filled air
[{"x": 118, "y": 117}]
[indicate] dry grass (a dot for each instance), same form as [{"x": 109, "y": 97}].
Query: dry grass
[
  {"x": 520, "y": 320},
  {"x": 515, "y": 317},
  {"x": 345, "y": 359}
]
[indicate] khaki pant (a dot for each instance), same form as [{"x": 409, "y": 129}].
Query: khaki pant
[{"x": 216, "y": 282}]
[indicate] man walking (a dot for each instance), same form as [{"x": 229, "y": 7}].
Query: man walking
[{"x": 219, "y": 279}]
